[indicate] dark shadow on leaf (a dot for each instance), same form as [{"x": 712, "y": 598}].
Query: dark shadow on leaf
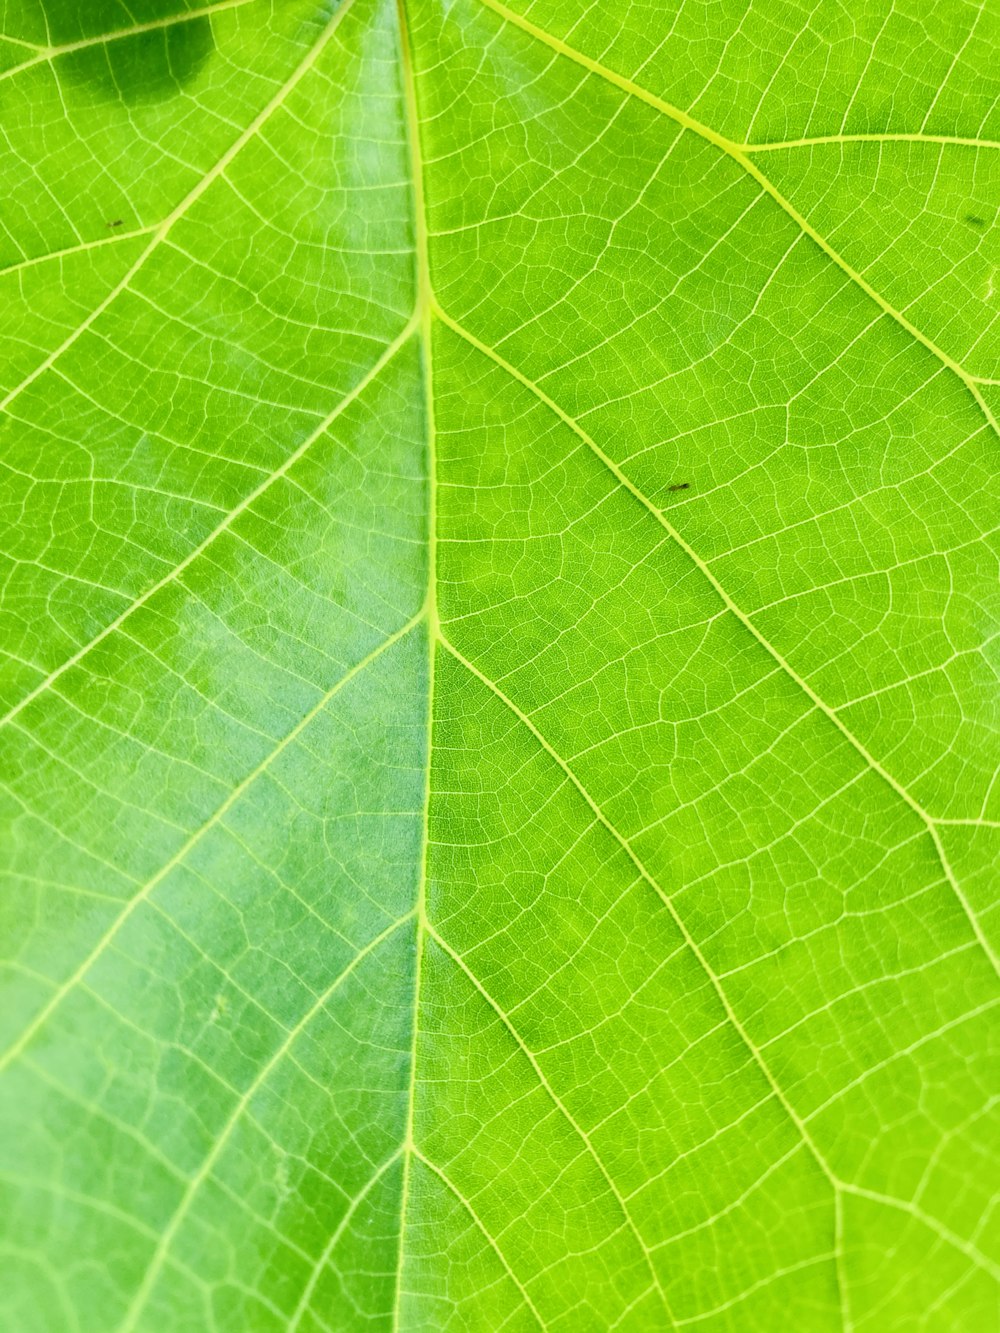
[{"x": 148, "y": 66}]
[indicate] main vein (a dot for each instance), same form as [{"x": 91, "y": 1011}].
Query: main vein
[{"x": 423, "y": 317}]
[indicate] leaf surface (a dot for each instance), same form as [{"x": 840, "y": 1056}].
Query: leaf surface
[{"x": 498, "y": 666}]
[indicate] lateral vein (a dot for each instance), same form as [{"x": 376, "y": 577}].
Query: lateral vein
[
  {"x": 220, "y": 528},
  {"x": 745, "y": 620},
  {"x": 741, "y": 156},
  {"x": 219, "y": 813}
]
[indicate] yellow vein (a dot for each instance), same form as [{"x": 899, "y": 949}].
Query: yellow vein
[
  {"x": 198, "y": 1179},
  {"x": 219, "y": 813},
  {"x": 423, "y": 317},
  {"x": 456, "y": 1192},
  {"x": 163, "y": 229},
  {"x": 740, "y": 156},
  {"x": 902, "y": 1054},
  {"x": 819, "y": 140},
  {"x": 220, "y": 528},
  {"x": 689, "y": 940},
  {"x": 557, "y": 1101},
  {"x": 745, "y": 620}
]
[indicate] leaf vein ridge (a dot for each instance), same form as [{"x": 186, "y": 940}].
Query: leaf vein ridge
[{"x": 743, "y": 159}]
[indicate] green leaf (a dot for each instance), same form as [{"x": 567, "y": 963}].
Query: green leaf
[{"x": 500, "y": 817}]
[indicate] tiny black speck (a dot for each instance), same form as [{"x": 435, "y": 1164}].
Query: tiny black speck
[
  {"x": 680, "y": 486},
  {"x": 117, "y": 223},
  {"x": 974, "y": 220}
]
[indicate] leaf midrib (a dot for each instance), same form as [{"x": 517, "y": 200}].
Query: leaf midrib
[
  {"x": 423, "y": 315},
  {"x": 427, "y": 310}
]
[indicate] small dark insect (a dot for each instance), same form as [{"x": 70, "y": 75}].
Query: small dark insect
[
  {"x": 975, "y": 220},
  {"x": 680, "y": 486},
  {"x": 117, "y": 223}
]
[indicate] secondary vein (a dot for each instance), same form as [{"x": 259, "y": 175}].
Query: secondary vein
[{"x": 740, "y": 155}]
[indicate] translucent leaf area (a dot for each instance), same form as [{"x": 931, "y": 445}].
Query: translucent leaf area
[{"x": 499, "y": 603}]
